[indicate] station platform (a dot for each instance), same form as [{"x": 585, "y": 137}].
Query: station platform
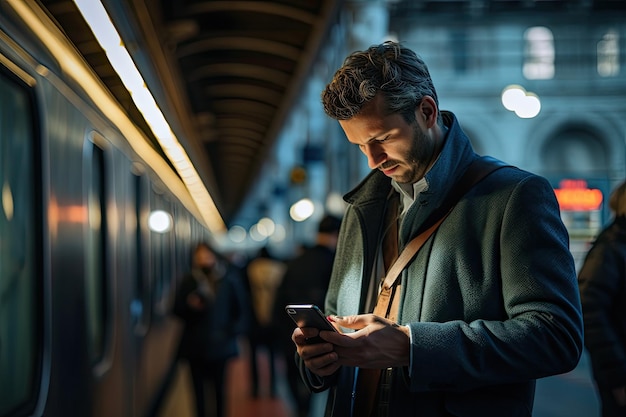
[{"x": 567, "y": 395}]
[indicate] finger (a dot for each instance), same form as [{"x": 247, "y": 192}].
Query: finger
[
  {"x": 356, "y": 322},
  {"x": 323, "y": 364},
  {"x": 340, "y": 339},
  {"x": 303, "y": 335},
  {"x": 298, "y": 337},
  {"x": 309, "y": 351}
]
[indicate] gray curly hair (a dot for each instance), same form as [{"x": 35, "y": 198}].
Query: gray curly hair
[{"x": 390, "y": 68}]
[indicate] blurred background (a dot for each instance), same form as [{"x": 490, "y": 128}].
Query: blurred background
[{"x": 535, "y": 83}]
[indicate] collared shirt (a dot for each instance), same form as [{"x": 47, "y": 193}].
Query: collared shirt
[{"x": 409, "y": 193}]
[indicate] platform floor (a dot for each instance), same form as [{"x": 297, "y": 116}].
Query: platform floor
[{"x": 568, "y": 395}]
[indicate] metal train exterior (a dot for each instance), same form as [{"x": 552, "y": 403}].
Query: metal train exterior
[{"x": 84, "y": 283}]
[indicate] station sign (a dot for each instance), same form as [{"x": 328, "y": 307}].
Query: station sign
[{"x": 575, "y": 195}]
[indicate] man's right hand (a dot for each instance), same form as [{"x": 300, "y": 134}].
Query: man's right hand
[{"x": 320, "y": 358}]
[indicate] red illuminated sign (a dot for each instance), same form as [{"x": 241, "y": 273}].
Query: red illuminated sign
[{"x": 574, "y": 195}]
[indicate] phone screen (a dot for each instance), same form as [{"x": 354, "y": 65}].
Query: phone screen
[{"x": 309, "y": 315}]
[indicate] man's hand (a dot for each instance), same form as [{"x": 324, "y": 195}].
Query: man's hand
[
  {"x": 377, "y": 343},
  {"x": 318, "y": 357}
]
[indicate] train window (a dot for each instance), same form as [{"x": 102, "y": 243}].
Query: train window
[
  {"x": 96, "y": 289},
  {"x": 21, "y": 270}
]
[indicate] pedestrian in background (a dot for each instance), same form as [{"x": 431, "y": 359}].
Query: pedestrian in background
[
  {"x": 305, "y": 282},
  {"x": 602, "y": 281},
  {"x": 490, "y": 302},
  {"x": 211, "y": 301},
  {"x": 265, "y": 273}
]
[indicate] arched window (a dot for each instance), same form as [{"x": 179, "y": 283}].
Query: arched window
[
  {"x": 608, "y": 54},
  {"x": 538, "y": 53}
]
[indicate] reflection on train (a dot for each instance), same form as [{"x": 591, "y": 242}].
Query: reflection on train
[{"x": 85, "y": 281}]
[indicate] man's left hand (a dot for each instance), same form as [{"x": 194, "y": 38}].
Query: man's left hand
[{"x": 377, "y": 343}]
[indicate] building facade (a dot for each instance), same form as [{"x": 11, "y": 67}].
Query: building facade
[{"x": 564, "y": 59}]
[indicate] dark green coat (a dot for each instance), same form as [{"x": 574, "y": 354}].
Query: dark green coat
[{"x": 491, "y": 299}]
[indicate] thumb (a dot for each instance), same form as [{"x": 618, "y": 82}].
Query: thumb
[{"x": 352, "y": 322}]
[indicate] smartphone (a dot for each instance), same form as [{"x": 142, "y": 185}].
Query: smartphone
[{"x": 309, "y": 315}]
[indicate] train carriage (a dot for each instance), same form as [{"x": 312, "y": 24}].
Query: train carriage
[{"x": 85, "y": 283}]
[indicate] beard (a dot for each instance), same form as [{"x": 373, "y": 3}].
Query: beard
[{"x": 416, "y": 160}]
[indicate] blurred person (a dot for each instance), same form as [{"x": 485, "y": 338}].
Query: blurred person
[
  {"x": 490, "y": 302},
  {"x": 602, "y": 281},
  {"x": 265, "y": 274},
  {"x": 211, "y": 302},
  {"x": 305, "y": 282}
]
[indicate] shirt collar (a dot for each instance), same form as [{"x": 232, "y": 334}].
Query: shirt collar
[{"x": 409, "y": 192}]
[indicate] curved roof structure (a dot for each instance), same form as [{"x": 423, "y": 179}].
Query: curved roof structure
[{"x": 226, "y": 72}]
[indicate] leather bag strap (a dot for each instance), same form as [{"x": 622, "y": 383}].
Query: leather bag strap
[{"x": 477, "y": 170}]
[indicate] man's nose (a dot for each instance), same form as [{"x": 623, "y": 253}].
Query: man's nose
[{"x": 375, "y": 155}]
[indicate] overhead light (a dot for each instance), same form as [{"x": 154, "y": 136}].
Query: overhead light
[
  {"x": 237, "y": 234},
  {"x": 525, "y": 104},
  {"x": 302, "y": 210},
  {"x": 97, "y": 18},
  {"x": 160, "y": 221},
  {"x": 73, "y": 65}
]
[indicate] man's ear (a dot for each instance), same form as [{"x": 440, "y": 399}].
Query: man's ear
[{"x": 427, "y": 110}]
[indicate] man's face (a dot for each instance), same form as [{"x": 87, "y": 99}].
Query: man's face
[{"x": 402, "y": 151}]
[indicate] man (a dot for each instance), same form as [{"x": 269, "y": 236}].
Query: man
[
  {"x": 490, "y": 302},
  {"x": 211, "y": 301},
  {"x": 265, "y": 273}
]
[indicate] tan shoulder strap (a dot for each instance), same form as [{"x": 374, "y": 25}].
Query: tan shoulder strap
[{"x": 478, "y": 170}]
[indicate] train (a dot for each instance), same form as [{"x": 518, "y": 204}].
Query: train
[{"x": 85, "y": 281}]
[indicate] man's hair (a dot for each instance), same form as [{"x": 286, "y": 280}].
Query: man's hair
[{"x": 389, "y": 68}]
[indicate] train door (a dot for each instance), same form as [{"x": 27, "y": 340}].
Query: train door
[{"x": 23, "y": 333}]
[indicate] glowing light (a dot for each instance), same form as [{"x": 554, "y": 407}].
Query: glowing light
[
  {"x": 267, "y": 226},
  {"x": 7, "y": 201},
  {"x": 256, "y": 234},
  {"x": 105, "y": 32},
  {"x": 237, "y": 234},
  {"x": 529, "y": 107},
  {"x": 279, "y": 234},
  {"x": 302, "y": 210},
  {"x": 160, "y": 221},
  {"x": 335, "y": 203},
  {"x": 512, "y": 96},
  {"x": 525, "y": 104},
  {"x": 575, "y": 195}
]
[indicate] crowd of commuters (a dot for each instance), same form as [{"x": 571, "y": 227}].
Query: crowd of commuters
[
  {"x": 449, "y": 277},
  {"x": 222, "y": 305}
]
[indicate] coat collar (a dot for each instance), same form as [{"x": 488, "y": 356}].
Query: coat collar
[{"x": 456, "y": 155}]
